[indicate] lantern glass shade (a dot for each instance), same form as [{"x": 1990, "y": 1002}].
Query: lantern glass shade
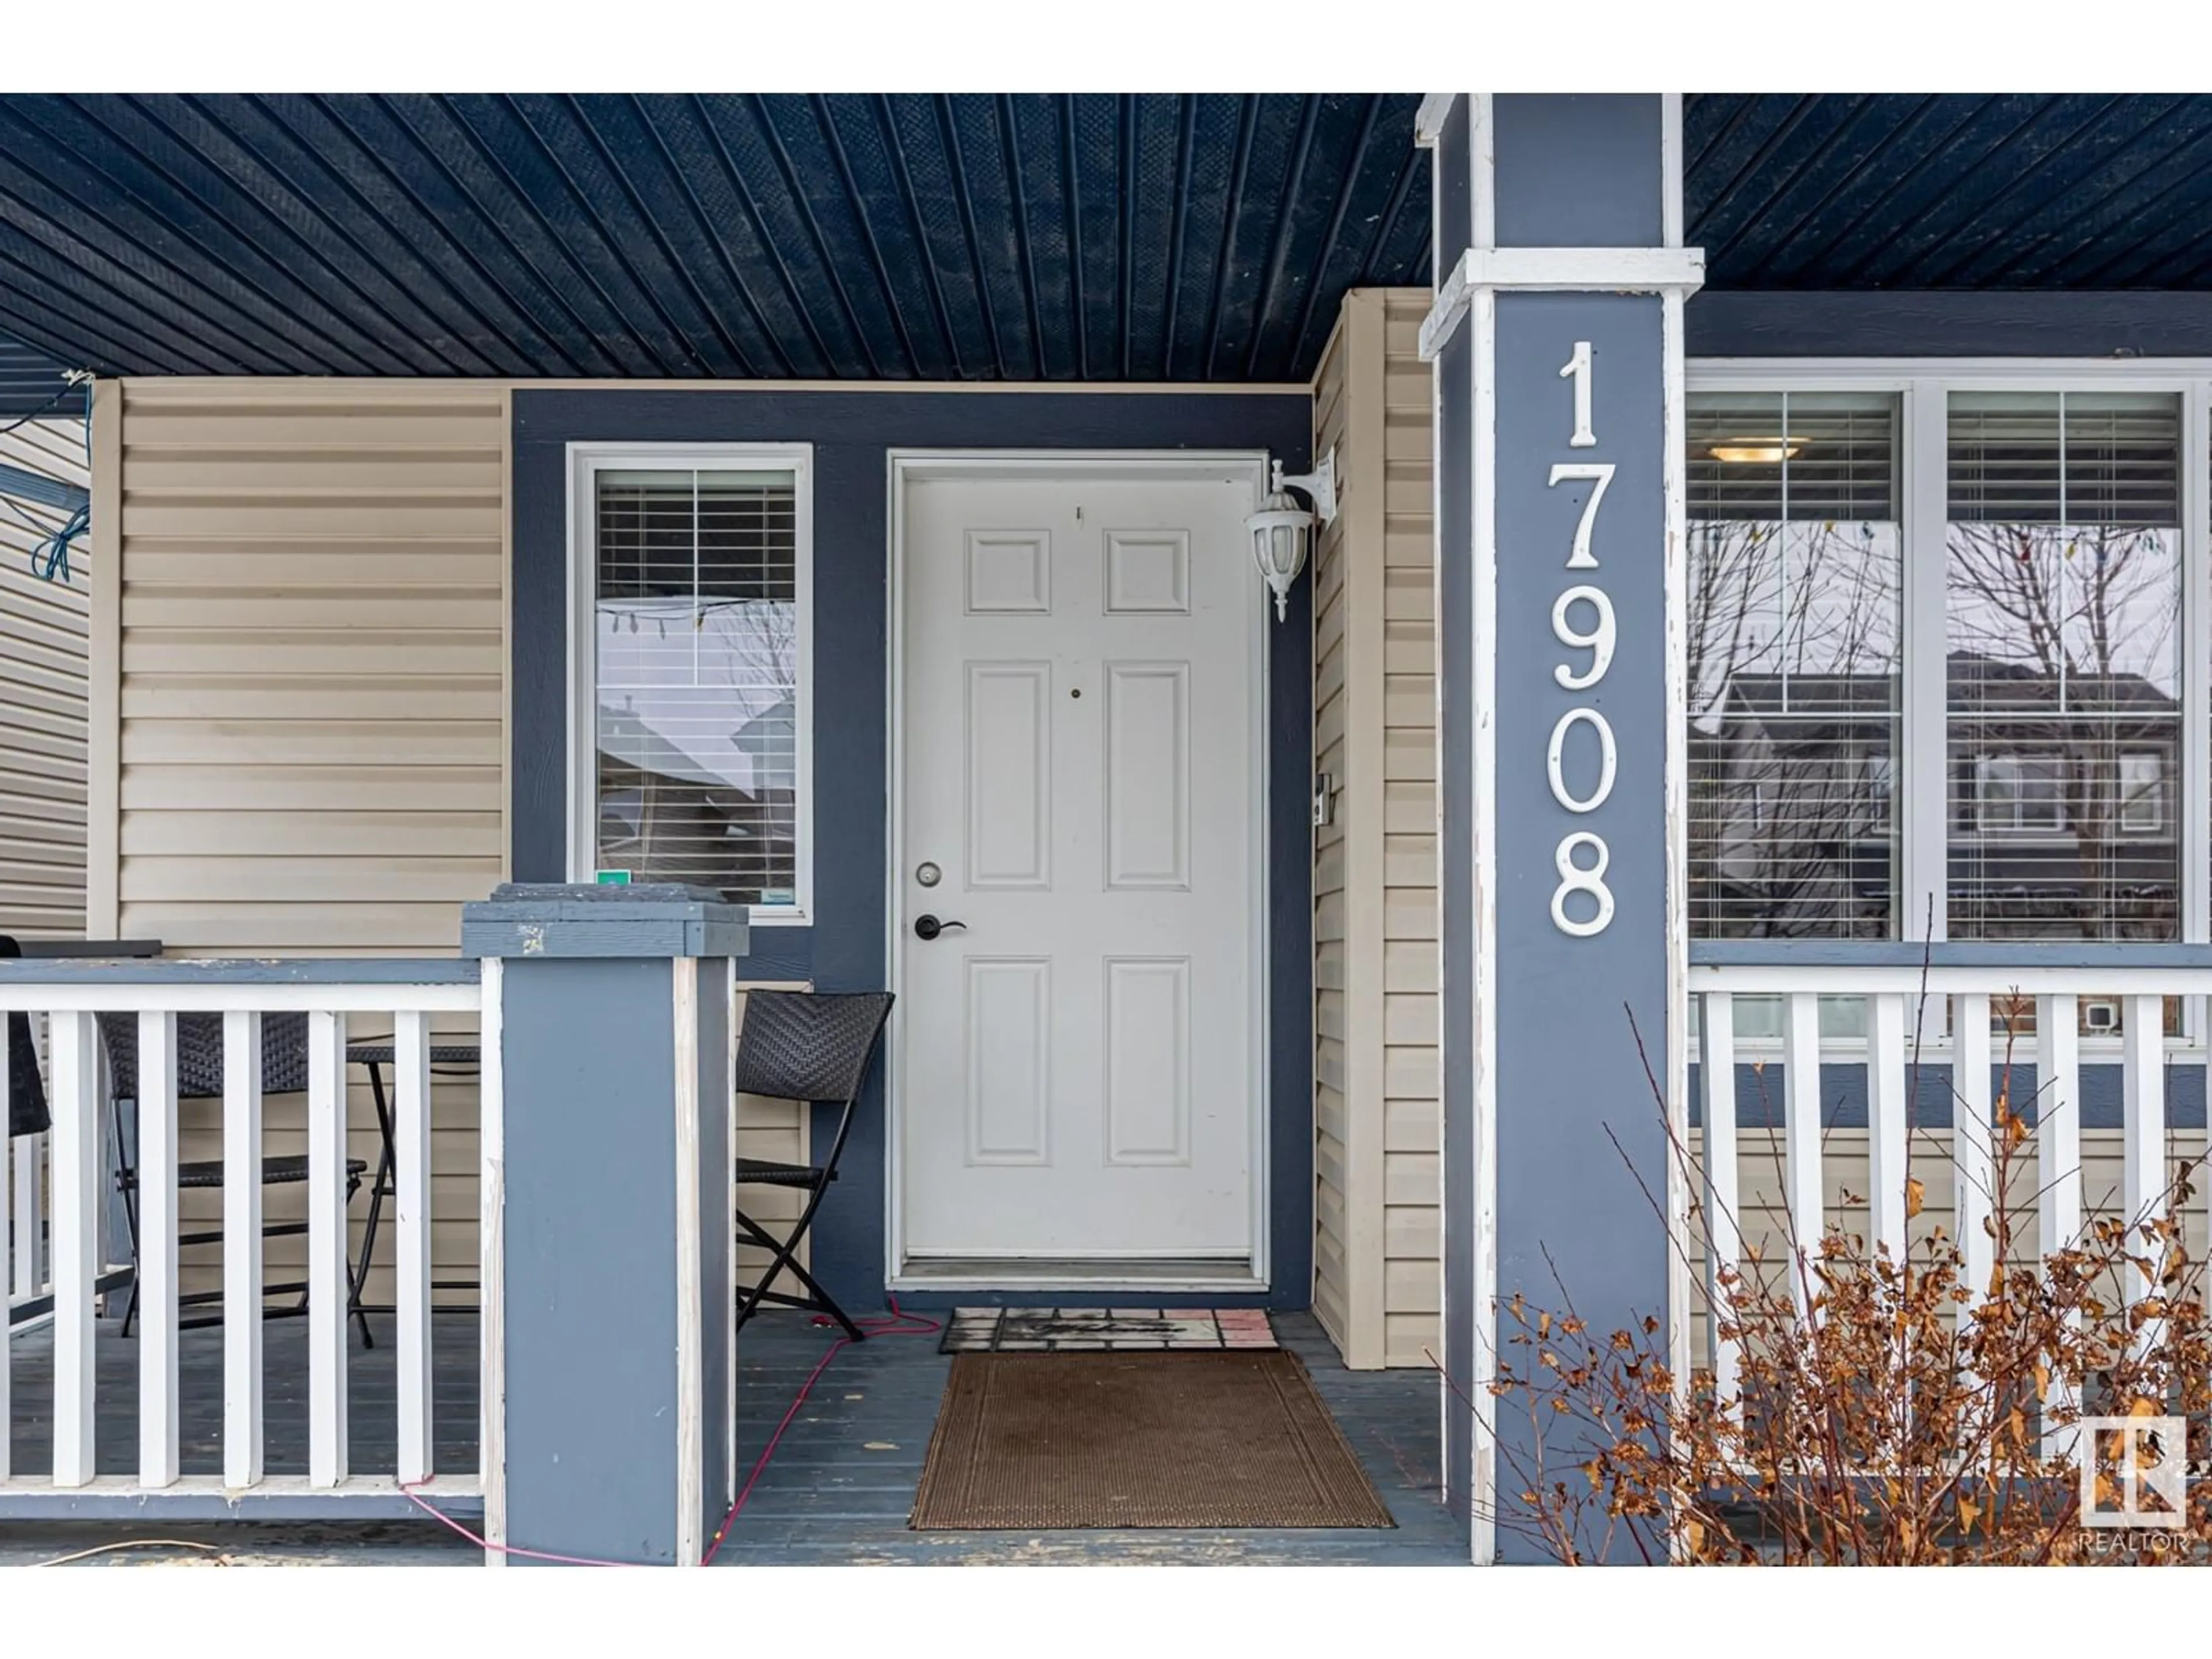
[{"x": 1280, "y": 532}]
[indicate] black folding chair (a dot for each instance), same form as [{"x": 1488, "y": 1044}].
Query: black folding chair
[
  {"x": 199, "y": 1077},
  {"x": 796, "y": 1045}
]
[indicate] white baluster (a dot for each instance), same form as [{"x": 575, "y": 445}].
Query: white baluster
[
  {"x": 1889, "y": 1146},
  {"x": 1973, "y": 1172},
  {"x": 411, "y": 1220},
  {"x": 2143, "y": 1180},
  {"x": 241, "y": 1249},
  {"x": 327, "y": 1243},
  {"x": 2058, "y": 1164},
  {"x": 1723, "y": 1235},
  {"x": 76, "y": 1177},
  {"x": 156, "y": 1091},
  {"x": 1801, "y": 1044}
]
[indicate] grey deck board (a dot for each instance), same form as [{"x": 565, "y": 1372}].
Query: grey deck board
[{"x": 836, "y": 1492}]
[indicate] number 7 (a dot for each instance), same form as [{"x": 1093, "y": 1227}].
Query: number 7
[{"x": 1581, "y": 558}]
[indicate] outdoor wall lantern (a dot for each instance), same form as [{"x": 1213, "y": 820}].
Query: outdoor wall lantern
[{"x": 1281, "y": 529}]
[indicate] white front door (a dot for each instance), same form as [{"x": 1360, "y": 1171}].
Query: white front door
[{"x": 1078, "y": 1076}]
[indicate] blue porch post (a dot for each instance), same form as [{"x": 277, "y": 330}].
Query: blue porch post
[
  {"x": 614, "y": 1058},
  {"x": 1557, "y": 339}
]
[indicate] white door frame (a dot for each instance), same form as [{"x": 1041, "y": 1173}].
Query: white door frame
[{"x": 1071, "y": 465}]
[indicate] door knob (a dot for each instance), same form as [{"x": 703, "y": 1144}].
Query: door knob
[{"x": 927, "y": 927}]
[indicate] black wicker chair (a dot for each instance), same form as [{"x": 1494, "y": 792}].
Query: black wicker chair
[
  {"x": 817, "y": 1048},
  {"x": 199, "y": 1077}
]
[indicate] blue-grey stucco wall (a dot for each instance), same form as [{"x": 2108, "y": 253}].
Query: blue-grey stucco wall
[{"x": 852, "y": 433}]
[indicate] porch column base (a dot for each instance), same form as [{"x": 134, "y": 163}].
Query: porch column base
[{"x": 615, "y": 1054}]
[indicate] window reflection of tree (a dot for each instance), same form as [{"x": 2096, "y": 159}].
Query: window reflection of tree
[
  {"x": 1793, "y": 657},
  {"x": 2062, "y": 644}
]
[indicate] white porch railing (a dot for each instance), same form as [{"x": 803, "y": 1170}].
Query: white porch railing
[
  {"x": 52, "y": 1210},
  {"x": 1889, "y": 1008}
]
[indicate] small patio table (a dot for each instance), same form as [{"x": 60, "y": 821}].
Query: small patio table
[{"x": 463, "y": 1059}]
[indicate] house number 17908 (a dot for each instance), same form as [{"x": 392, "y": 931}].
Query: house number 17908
[{"x": 1578, "y": 879}]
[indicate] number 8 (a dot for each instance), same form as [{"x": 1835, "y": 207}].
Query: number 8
[{"x": 1575, "y": 879}]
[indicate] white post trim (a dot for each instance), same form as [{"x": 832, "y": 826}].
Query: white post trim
[
  {"x": 1678, "y": 270},
  {"x": 690, "y": 1334},
  {"x": 1482, "y": 580},
  {"x": 491, "y": 1261}
]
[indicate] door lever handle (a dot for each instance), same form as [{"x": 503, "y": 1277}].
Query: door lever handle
[{"x": 928, "y": 927}]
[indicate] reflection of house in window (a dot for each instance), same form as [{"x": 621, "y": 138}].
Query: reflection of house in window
[
  {"x": 2059, "y": 826},
  {"x": 1792, "y": 837},
  {"x": 698, "y": 750},
  {"x": 2019, "y": 793}
]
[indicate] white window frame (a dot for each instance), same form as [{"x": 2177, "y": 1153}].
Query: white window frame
[
  {"x": 1922, "y": 387},
  {"x": 2153, "y": 793},
  {"x": 2015, "y": 826},
  {"x": 586, "y": 461}
]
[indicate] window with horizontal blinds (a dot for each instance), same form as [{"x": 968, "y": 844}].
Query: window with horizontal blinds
[
  {"x": 1796, "y": 586},
  {"x": 2062, "y": 630},
  {"x": 697, "y": 679}
]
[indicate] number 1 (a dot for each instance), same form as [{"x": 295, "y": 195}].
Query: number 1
[{"x": 1578, "y": 367}]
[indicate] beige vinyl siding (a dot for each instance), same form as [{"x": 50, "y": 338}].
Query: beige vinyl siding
[
  {"x": 1412, "y": 1113},
  {"x": 310, "y": 724},
  {"x": 311, "y": 719},
  {"x": 43, "y": 646},
  {"x": 1378, "y": 1253}
]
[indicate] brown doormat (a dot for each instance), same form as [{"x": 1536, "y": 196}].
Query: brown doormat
[{"x": 1050, "y": 1440}]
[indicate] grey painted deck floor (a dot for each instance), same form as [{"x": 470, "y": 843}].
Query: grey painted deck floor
[{"x": 836, "y": 1492}]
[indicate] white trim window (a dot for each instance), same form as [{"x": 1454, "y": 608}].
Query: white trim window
[
  {"x": 692, "y": 757},
  {"x": 1795, "y": 662},
  {"x": 1951, "y": 624},
  {"x": 2064, "y": 658}
]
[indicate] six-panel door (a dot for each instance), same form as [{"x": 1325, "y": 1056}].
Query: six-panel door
[{"x": 1077, "y": 1077}]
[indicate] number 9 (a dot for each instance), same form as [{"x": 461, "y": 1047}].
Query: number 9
[{"x": 1599, "y": 641}]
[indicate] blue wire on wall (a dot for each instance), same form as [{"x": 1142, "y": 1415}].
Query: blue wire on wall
[{"x": 50, "y": 557}]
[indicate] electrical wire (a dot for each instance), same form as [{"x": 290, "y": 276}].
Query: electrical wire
[
  {"x": 50, "y": 559},
  {"x": 130, "y": 1544},
  {"x": 897, "y": 1322},
  {"x": 49, "y": 404}
]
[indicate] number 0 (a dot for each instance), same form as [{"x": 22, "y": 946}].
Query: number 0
[{"x": 1608, "y": 759}]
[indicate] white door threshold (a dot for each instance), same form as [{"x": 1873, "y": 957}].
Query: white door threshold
[{"x": 1217, "y": 1273}]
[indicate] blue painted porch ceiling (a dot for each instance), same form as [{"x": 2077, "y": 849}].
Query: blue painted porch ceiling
[
  {"x": 1952, "y": 191},
  {"x": 941, "y": 237},
  {"x": 1149, "y": 238}
]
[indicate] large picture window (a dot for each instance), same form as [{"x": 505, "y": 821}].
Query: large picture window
[
  {"x": 1941, "y": 672},
  {"x": 697, "y": 676}
]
